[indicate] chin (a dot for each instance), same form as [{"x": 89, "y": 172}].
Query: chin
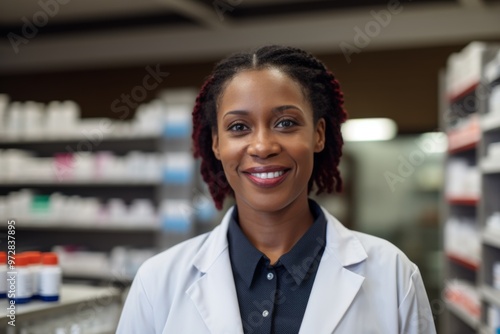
[{"x": 266, "y": 202}]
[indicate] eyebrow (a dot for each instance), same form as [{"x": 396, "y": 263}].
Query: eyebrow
[{"x": 277, "y": 110}]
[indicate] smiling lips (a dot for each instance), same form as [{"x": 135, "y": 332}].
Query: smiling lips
[{"x": 266, "y": 177}]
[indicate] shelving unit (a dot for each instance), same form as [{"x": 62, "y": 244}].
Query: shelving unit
[
  {"x": 464, "y": 262},
  {"x": 471, "y": 127},
  {"x": 43, "y": 234},
  {"x": 82, "y": 227},
  {"x": 101, "y": 234},
  {"x": 464, "y": 201},
  {"x": 84, "y": 308},
  {"x": 492, "y": 239},
  {"x": 459, "y": 312}
]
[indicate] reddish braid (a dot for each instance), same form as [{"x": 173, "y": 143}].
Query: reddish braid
[
  {"x": 198, "y": 116},
  {"x": 322, "y": 90},
  {"x": 211, "y": 168},
  {"x": 333, "y": 144}
]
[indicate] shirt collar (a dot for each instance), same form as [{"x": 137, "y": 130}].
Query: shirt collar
[
  {"x": 298, "y": 261},
  {"x": 244, "y": 256}
]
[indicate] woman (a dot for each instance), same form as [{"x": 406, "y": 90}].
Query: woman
[{"x": 267, "y": 127}]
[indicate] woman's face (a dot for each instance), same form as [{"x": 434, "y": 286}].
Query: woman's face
[{"x": 266, "y": 139}]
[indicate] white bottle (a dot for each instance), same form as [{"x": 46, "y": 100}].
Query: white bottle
[
  {"x": 50, "y": 278},
  {"x": 35, "y": 259},
  {"x": 4, "y": 102},
  {"x": 22, "y": 280},
  {"x": 3, "y": 275},
  {"x": 496, "y": 275}
]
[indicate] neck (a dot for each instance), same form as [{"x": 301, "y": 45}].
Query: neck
[{"x": 275, "y": 233}]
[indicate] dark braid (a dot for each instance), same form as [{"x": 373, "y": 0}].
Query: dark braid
[{"x": 320, "y": 87}]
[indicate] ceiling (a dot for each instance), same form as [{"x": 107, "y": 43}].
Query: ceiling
[
  {"x": 90, "y": 15},
  {"x": 96, "y": 32}
]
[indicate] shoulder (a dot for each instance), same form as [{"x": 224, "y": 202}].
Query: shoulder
[
  {"x": 380, "y": 262},
  {"x": 385, "y": 268},
  {"x": 185, "y": 262},
  {"x": 358, "y": 247},
  {"x": 382, "y": 251},
  {"x": 175, "y": 262}
]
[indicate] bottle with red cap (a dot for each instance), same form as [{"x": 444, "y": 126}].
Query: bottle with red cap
[
  {"x": 50, "y": 278},
  {"x": 35, "y": 259},
  {"x": 3, "y": 275},
  {"x": 22, "y": 280}
]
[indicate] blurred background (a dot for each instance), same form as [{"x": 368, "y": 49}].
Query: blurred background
[{"x": 95, "y": 151}]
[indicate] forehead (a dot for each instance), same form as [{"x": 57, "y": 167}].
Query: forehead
[{"x": 268, "y": 84}]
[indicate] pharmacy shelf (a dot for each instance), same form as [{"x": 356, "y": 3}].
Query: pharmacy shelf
[
  {"x": 490, "y": 294},
  {"x": 457, "y": 95},
  {"x": 491, "y": 238},
  {"x": 492, "y": 71},
  {"x": 464, "y": 201},
  {"x": 44, "y": 140},
  {"x": 96, "y": 276},
  {"x": 72, "y": 296},
  {"x": 470, "y": 264},
  {"x": 80, "y": 183},
  {"x": 461, "y": 313},
  {"x": 465, "y": 144},
  {"x": 116, "y": 145},
  {"x": 122, "y": 144},
  {"x": 88, "y": 227},
  {"x": 489, "y": 167},
  {"x": 467, "y": 139},
  {"x": 490, "y": 122}
]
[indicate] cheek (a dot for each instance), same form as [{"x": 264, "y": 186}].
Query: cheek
[
  {"x": 230, "y": 153},
  {"x": 302, "y": 150}
]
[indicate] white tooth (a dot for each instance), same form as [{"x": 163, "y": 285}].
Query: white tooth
[{"x": 268, "y": 175}]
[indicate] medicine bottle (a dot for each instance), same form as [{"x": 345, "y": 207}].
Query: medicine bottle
[
  {"x": 3, "y": 275},
  {"x": 35, "y": 260},
  {"x": 50, "y": 278},
  {"x": 21, "y": 279}
]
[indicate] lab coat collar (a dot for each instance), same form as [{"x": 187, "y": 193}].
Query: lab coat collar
[
  {"x": 334, "y": 289},
  {"x": 214, "y": 246},
  {"x": 342, "y": 242},
  {"x": 214, "y": 293},
  {"x": 335, "y": 286}
]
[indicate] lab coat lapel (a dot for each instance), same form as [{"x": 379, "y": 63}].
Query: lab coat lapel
[
  {"x": 214, "y": 294},
  {"x": 335, "y": 286}
]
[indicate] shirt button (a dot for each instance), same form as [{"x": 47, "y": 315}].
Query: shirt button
[
  {"x": 270, "y": 276},
  {"x": 265, "y": 313}
]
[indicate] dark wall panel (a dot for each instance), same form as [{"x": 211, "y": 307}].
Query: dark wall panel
[{"x": 400, "y": 84}]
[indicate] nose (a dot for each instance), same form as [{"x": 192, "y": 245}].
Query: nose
[{"x": 263, "y": 144}]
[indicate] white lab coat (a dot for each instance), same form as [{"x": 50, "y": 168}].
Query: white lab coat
[{"x": 363, "y": 285}]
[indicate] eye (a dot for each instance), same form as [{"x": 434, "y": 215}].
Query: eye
[
  {"x": 286, "y": 123},
  {"x": 237, "y": 127}
]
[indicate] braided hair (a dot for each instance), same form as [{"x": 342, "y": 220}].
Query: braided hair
[{"x": 320, "y": 87}]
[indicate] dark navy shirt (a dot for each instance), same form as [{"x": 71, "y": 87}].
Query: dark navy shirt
[{"x": 273, "y": 298}]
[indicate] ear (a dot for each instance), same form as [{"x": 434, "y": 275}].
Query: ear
[
  {"x": 215, "y": 144},
  {"x": 319, "y": 136}
]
